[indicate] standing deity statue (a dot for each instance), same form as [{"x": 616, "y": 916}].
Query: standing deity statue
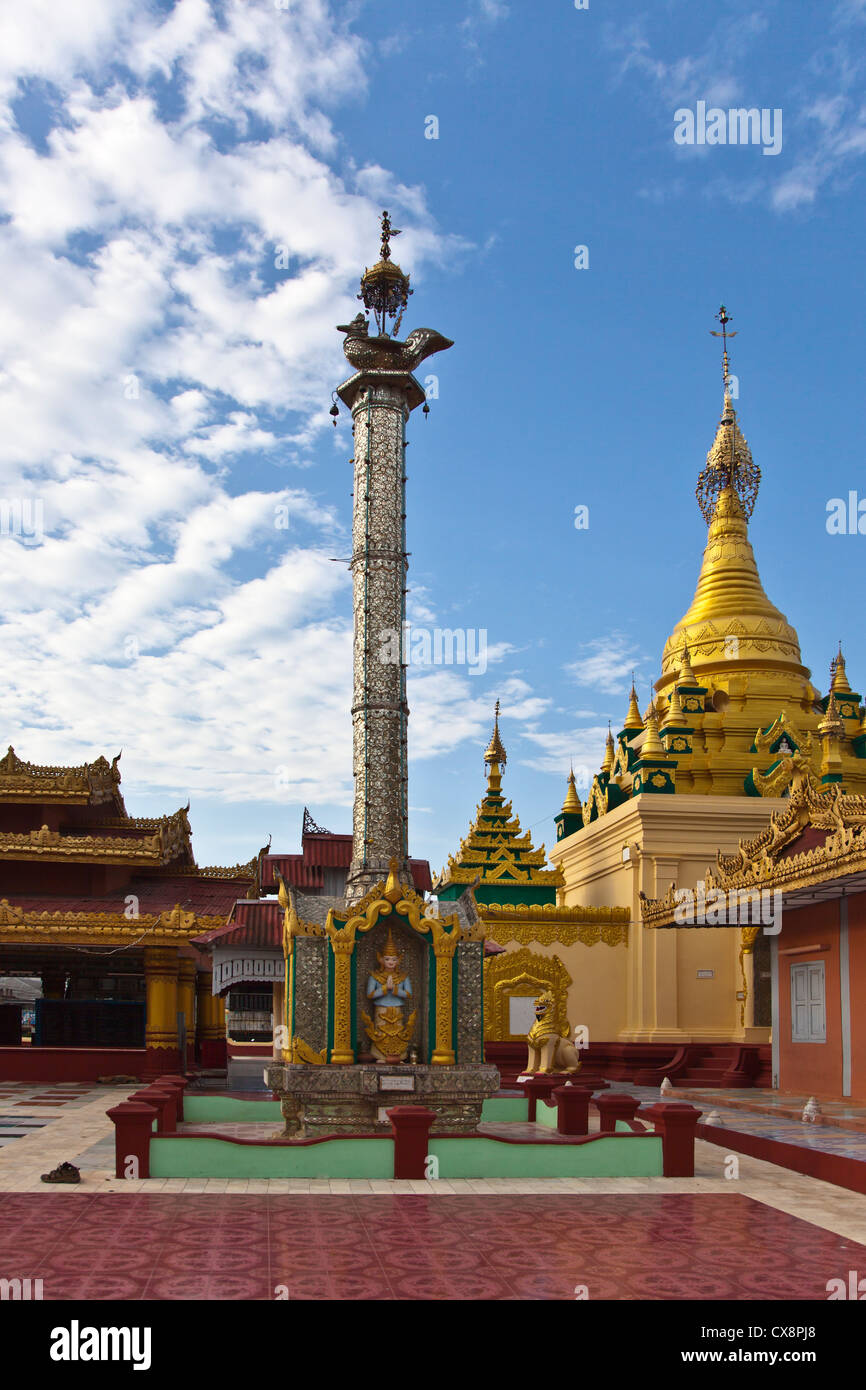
[{"x": 389, "y": 989}]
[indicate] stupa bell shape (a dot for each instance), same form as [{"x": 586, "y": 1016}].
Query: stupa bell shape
[{"x": 731, "y": 623}]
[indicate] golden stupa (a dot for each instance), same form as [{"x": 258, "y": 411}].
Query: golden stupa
[{"x": 735, "y": 710}]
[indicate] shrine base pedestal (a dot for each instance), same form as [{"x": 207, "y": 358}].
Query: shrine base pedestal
[{"x": 355, "y": 1099}]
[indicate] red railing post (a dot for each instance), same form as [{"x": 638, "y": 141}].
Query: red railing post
[
  {"x": 614, "y": 1107},
  {"x": 133, "y": 1124},
  {"x": 410, "y": 1125},
  {"x": 677, "y": 1124},
  {"x": 572, "y": 1109}
]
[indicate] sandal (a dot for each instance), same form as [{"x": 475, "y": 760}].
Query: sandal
[{"x": 64, "y": 1172}]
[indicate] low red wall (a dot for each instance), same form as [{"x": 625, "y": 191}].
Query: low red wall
[{"x": 69, "y": 1063}]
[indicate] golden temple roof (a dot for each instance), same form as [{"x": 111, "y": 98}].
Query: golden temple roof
[{"x": 496, "y": 851}]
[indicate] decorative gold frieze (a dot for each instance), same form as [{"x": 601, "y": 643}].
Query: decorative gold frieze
[
  {"x": 548, "y": 925},
  {"x": 18, "y": 925}
]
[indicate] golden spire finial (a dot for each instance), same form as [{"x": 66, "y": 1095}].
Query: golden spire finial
[
  {"x": 393, "y": 891},
  {"x": 838, "y": 676},
  {"x": 571, "y": 804},
  {"x": 385, "y": 289},
  {"x": 730, "y": 468},
  {"x": 674, "y": 717},
  {"x": 495, "y": 752},
  {"x": 724, "y": 319},
  {"x": 632, "y": 718},
  {"x": 387, "y": 232},
  {"x": 832, "y": 722},
  {"x": 608, "y": 760},
  {"x": 687, "y": 675},
  {"x": 652, "y": 746}
]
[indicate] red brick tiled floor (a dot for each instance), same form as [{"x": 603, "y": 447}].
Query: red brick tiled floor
[{"x": 676, "y": 1246}]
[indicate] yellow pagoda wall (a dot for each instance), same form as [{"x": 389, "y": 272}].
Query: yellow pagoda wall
[{"x": 656, "y": 995}]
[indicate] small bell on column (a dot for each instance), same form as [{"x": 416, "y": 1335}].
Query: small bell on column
[{"x": 335, "y": 409}]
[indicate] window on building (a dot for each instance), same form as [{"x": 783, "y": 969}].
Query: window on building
[{"x": 808, "y": 1003}]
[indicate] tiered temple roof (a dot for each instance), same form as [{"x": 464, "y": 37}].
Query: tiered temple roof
[
  {"x": 76, "y": 866},
  {"x": 515, "y": 892},
  {"x": 495, "y": 852}
]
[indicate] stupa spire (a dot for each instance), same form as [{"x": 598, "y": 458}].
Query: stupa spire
[
  {"x": 831, "y": 723},
  {"x": 571, "y": 805},
  {"x": 687, "y": 675},
  {"x": 609, "y": 755},
  {"x": 633, "y": 717},
  {"x": 730, "y": 466},
  {"x": 838, "y": 676},
  {"x": 495, "y": 751},
  {"x": 731, "y": 618},
  {"x": 652, "y": 745},
  {"x": 724, "y": 319},
  {"x": 674, "y": 717}
]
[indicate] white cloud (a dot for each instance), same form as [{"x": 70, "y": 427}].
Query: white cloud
[
  {"x": 824, "y": 120},
  {"x": 149, "y": 340},
  {"x": 606, "y": 663}
]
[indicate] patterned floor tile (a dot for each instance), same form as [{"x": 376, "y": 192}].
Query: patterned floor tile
[{"x": 674, "y": 1246}]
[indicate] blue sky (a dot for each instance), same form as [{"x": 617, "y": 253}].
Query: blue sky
[{"x": 188, "y": 194}]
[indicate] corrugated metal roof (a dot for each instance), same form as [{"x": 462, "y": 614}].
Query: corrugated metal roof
[
  {"x": 305, "y": 871},
  {"x": 257, "y": 925}
]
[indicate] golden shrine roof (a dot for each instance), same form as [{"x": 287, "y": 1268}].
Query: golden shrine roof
[
  {"x": 495, "y": 850},
  {"x": 134, "y": 844},
  {"x": 91, "y": 783}
]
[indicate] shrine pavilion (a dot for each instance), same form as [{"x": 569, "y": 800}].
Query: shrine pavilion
[{"x": 103, "y": 908}]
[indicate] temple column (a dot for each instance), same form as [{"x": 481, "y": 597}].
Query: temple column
[
  {"x": 379, "y": 708},
  {"x": 750, "y": 1031},
  {"x": 186, "y": 990},
  {"x": 343, "y": 1051},
  {"x": 210, "y": 1023},
  {"x": 381, "y": 395},
  {"x": 160, "y": 1036},
  {"x": 444, "y": 946}
]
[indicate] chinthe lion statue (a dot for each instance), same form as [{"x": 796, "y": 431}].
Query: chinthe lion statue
[{"x": 549, "y": 1050}]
